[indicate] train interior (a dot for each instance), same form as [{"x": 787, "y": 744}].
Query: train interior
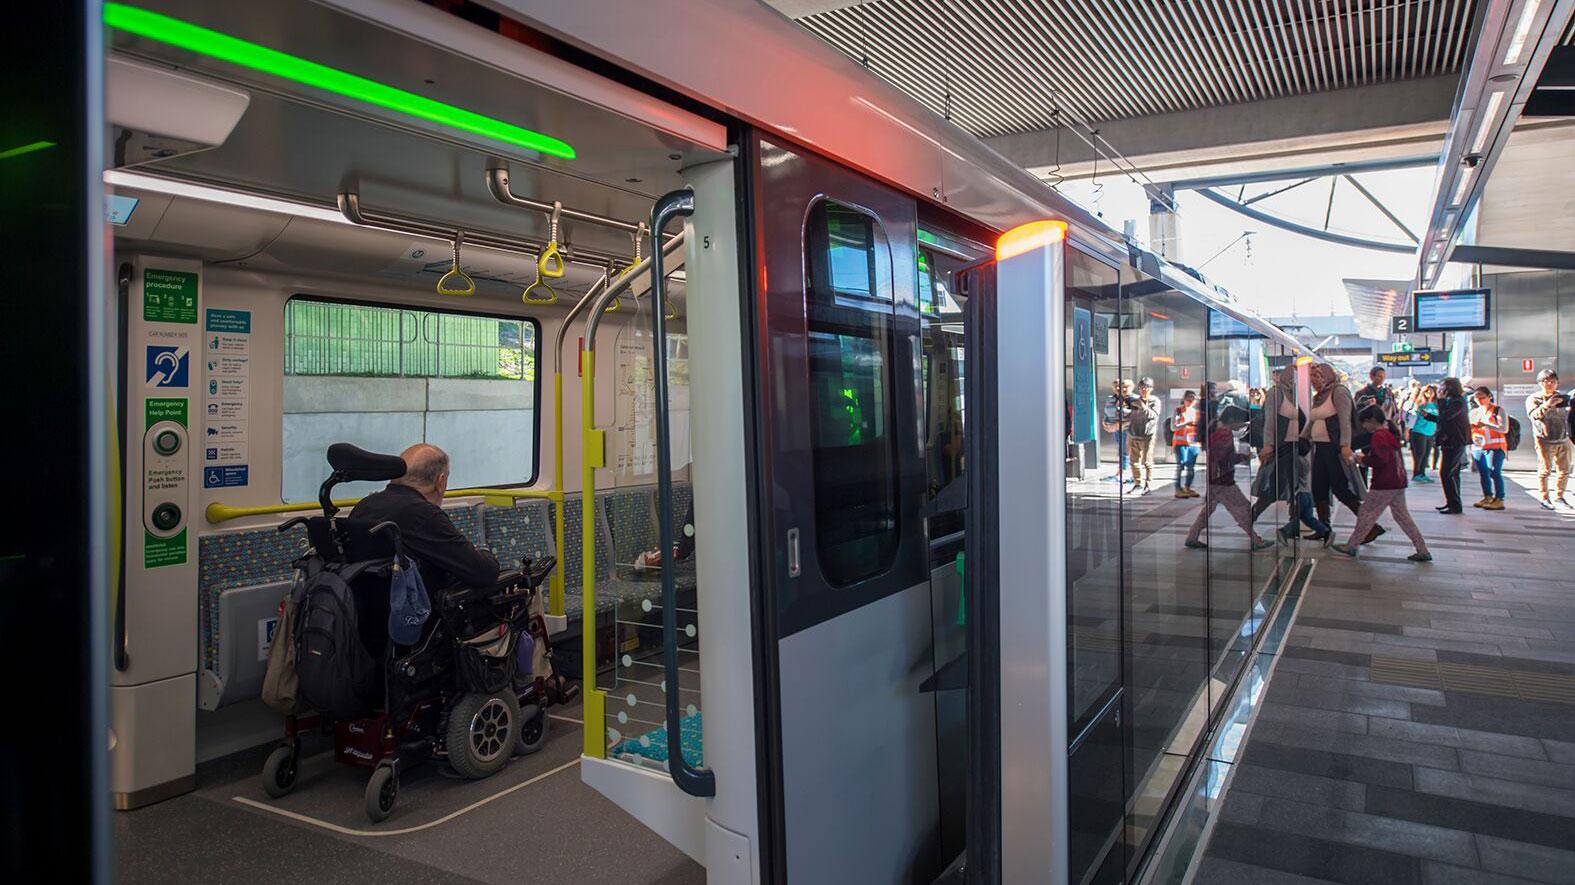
[{"x": 317, "y": 268}]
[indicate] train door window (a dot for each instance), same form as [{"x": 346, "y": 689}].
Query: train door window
[
  {"x": 942, "y": 371},
  {"x": 850, "y": 313},
  {"x": 385, "y": 378}
]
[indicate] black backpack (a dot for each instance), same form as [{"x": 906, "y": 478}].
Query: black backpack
[
  {"x": 338, "y": 678},
  {"x": 1512, "y": 436}
]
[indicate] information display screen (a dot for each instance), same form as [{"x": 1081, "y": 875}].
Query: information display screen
[
  {"x": 1223, "y": 325},
  {"x": 1458, "y": 310}
]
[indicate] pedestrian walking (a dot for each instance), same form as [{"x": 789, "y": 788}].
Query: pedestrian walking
[
  {"x": 1330, "y": 428},
  {"x": 1388, "y": 489},
  {"x": 1221, "y": 485},
  {"x": 1287, "y": 459}
]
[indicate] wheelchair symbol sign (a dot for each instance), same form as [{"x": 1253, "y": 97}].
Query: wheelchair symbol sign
[{"x": 168, "y": 366}]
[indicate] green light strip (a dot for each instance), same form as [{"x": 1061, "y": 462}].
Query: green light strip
[
  {"x": 271, "y": 61},
  {"x": 26, "y": 149}
]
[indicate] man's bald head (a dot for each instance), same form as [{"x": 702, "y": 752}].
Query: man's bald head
[{"x": 426, "y": 469}]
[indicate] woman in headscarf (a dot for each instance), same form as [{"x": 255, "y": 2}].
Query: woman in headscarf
[
  {"x": 1330, "y": 426},
  {"x": 1290, "y": 460}
]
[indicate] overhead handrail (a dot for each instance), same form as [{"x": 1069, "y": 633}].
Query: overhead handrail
[
  {"x": 217, "y": 512},
  {"x": 350, "y": 207},
  {"x": 694, "y": 781},
  {"x": 467, "y": 285},
  {"x": 498, "y": 185}
]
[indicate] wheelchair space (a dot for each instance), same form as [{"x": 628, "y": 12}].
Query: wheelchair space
[{"x": 533, "y": 821}]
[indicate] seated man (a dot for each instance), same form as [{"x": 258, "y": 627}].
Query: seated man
[{"x": 414, "y": 503}]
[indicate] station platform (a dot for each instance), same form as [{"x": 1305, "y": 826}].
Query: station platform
[
  {"x": 534, "y": 821},
  {"x": 1419, "y": 725}
]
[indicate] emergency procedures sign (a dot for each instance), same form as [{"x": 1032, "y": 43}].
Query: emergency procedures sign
[{"x": 169, "y": 296}]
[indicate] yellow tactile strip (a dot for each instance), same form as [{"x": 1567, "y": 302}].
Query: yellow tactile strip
[{"x": 1526, "y": 685}]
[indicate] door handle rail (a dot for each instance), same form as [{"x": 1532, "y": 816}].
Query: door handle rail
[{"x": 694, "y": 781}]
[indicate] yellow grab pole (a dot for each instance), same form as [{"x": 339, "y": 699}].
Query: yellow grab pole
[
  {"x": 593, "y": 454},
  {"x": 555, "y": 591}
]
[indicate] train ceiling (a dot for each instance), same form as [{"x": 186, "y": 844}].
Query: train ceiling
[{"x": 996, "y": 67}]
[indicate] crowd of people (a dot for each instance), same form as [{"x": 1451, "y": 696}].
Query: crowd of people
[{"x": 1338, "y": 446}]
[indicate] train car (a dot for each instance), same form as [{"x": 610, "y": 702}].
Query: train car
[{"x": 667, "y": 277}]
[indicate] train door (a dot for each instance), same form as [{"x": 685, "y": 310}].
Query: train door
[{"x": 846, "y": 556}]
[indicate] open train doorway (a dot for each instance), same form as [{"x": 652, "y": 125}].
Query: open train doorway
[{"x": 381, "y": 224}]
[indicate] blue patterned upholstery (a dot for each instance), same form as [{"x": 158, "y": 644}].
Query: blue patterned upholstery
[
  {"x": 238, "y": 559},
  {"x": 524, "y": 529}
]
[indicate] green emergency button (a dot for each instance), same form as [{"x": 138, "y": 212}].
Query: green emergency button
[
  {"x": 166, "y": 517},
  {"x": 166, "y": 442}
]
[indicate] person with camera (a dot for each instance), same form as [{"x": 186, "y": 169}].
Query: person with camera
[
  {"x": 1142, "y": 420},
  {"x": 1549, "y": 411},
  {"x": 1114, "y": 421}
]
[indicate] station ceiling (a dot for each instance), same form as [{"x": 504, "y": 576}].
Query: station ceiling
[{"x": 998, "y": 67}]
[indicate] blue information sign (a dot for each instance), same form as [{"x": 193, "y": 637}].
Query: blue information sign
[{"x": 1082, "y": 375}]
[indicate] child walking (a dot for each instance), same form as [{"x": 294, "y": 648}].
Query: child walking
[
  {"x": 1388, "y": 488},
  {"x": 1223, "y": 459}
]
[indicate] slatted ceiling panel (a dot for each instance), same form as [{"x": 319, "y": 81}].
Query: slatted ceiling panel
[{"x": 1003, "y": 66}]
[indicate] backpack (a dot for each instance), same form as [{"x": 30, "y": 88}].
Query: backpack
[
  {"x": 1170, "y": 431},
  {"x": 336, "y": 675},
  {"x": 1512, "y": 436}
]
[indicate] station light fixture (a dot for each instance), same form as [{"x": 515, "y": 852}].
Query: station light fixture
[
  {"x": 1487, "y": 121},
  {"x": 1517, "y": 41},
  {"x": 1028, "y": 237},
  {"x": 223, "y": 47},
  {"x": 1462, "y": 186}
]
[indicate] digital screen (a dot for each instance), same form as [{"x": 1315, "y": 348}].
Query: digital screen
[
  {"x": 118, "y": 208},
  {"x": 1223, "y": 325},
  {"x": 1461, "y": 310}
]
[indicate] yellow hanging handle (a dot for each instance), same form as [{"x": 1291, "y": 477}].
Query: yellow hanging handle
[
  {"x": 550, "y": 263},
  {"x": 456, "y": 281}
]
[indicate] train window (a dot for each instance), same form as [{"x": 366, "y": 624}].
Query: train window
[
  {"x": 942, "y": 373},
  {"x": 850, "y": 324},
  {"x": 385, "y": 378}
]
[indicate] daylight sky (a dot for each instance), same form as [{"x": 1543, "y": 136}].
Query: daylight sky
[{"x": 1285, "y": 274}]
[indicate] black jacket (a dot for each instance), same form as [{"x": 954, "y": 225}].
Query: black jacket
[
  {"x": 1454, "y": 422},
  {"x": 446, "y": 558}
]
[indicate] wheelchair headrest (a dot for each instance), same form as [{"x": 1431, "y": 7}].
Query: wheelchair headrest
[{"x": 355, "y": 463}]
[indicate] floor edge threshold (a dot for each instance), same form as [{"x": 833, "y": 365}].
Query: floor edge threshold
[{"x": 1179, "y": 849}]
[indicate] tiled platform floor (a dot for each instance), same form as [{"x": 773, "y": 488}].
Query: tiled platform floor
[{"x": 1420, "y": 725}]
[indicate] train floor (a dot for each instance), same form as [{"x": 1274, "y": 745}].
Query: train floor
[
  {"x": 1419, "y": 726},
  {"x": 535, "y": 821}
]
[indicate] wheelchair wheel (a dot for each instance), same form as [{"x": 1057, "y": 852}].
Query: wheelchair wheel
[
  {"x": 279, "y": 772},
  {"x": 382, "y": 791},
  {"x": 533, "y": 730},
  {"x": 483, "y": 728}
]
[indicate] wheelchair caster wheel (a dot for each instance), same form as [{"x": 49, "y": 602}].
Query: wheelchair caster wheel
[
  {"x": 382, "y": 791},
  {"x": 280, "y": 771}
]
